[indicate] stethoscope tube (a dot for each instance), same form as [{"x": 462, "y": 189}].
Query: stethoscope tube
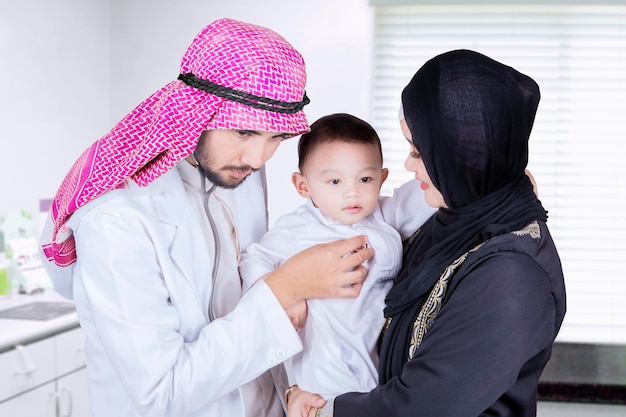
[{"x": 216, "y": 259}]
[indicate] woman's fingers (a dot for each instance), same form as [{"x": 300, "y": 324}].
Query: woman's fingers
[{"x": 301, "y": 403}]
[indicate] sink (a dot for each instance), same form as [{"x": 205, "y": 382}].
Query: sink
[{"x": 38, "y": 310}]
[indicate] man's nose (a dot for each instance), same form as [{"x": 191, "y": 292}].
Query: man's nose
[{"x": 256, "y": 154}]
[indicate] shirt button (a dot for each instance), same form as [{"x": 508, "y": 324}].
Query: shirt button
[
  {"x": 280, "y": 354},
  {"x": 271, "y": 360}
]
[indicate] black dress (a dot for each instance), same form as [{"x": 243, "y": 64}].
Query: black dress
[{"x": 482, "y": 342}]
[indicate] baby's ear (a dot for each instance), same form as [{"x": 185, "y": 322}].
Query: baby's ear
[
  {"x": 302, "y": 187},
  {"x": 384, "y": 173}
]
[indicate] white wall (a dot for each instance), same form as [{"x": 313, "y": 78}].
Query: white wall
[
  {"x": 54, "y": 92},
  {"x": 69, "y": 72},
  {"x": 150, "y": 37}
]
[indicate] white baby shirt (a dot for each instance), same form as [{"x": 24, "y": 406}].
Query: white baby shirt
[{"x": 340, "y": 335}]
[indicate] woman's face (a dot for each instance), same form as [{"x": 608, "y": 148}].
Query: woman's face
[{"x": 415, "y": 163}]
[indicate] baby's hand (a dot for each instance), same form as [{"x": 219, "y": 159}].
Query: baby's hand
[{"x": 297, "y": 314}]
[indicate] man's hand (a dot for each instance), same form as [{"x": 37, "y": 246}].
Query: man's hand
[{"x": 327, "y": 270}]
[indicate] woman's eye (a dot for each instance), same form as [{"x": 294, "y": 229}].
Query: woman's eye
[{"x": 415, "y": 154}]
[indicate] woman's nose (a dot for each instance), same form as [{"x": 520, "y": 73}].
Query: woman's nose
[{"x": 410, "y": 164}]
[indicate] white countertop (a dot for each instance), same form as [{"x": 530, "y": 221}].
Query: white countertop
[{"x": 19, "y": 331}]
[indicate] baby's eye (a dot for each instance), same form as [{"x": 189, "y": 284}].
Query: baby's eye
[
  {"x": 334, "y": 182},
  {"x": 365, "y": 179}
]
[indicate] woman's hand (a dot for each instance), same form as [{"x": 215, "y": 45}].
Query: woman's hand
[
  {"x": 532, "y": 180},
  {"x": 303, "y": 403},
  {"x": 326, "y": 270}
]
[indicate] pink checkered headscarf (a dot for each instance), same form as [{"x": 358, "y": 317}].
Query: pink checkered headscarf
[{"x": 234, "y": 75}]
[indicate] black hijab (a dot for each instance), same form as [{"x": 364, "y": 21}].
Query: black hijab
[{"x": 470, "y": 118}]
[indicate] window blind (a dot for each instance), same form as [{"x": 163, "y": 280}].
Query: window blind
[{"x": 577, "y": 55}]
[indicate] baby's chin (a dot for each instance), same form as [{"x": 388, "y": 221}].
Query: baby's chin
[{"x": 349, "y": 219}]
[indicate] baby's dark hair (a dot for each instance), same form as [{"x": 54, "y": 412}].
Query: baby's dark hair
[{"x": 338, "y": 127}]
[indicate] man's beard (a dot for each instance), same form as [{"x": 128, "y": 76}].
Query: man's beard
[{"x": 219, "y": 180}]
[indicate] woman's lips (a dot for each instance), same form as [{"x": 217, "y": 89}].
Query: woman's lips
[{"x": 424, "y": 186}]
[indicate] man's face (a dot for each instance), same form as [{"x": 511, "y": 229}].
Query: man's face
[{"x": 229, "y": 156}]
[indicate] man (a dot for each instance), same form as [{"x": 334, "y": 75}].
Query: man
[{"x": 146, "y": 230}]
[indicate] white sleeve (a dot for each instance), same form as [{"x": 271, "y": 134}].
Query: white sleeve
[
  {"x": 258, "y": 259},
  {"x": 406, "y": 210},
  {"x": 126, "y": 310}
]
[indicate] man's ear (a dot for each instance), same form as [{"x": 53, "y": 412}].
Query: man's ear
[
  {"x": 384, "y": 173},
  {"x": 302, "y": 187}
]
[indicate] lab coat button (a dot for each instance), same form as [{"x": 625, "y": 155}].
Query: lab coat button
[{"x": 271, "y": 360}]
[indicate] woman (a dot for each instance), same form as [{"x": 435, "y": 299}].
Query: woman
[{"x": 474, "y": 311}]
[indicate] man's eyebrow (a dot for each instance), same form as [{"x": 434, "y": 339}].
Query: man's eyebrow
[
  {"x": 283, "y": 135},
  {"x": 252, "y": 132}
]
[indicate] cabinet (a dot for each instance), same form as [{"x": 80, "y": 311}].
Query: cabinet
[{"x": 45, "y": 378}]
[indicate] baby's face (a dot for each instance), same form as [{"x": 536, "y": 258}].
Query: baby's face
[{"x": 343, "y": 180}]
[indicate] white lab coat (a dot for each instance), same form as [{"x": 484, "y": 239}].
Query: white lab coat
[{"x": 141, "y": 285}]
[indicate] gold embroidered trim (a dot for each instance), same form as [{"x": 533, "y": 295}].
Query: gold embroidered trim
[
  {"x": 533, "y": 230},
  {"x": 432, "y": 305}
]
